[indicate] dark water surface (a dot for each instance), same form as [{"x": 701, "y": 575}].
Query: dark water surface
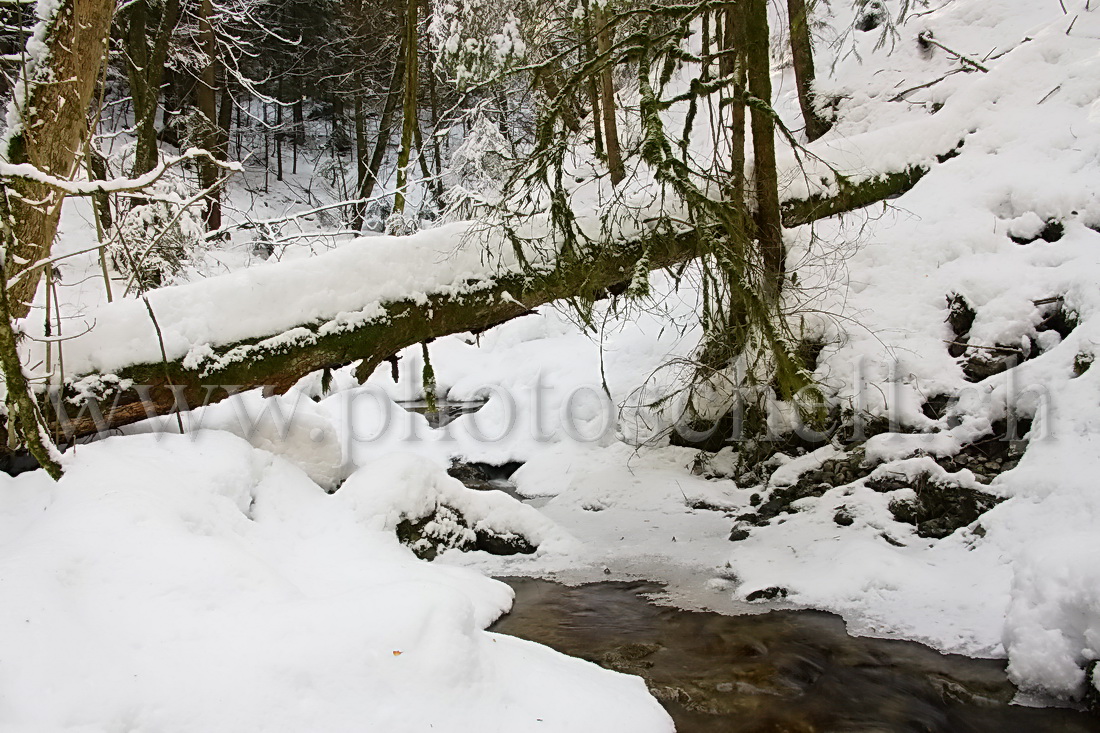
[
  {"x": 784, "y": 671},
  {"x": 446, "y": 411}
]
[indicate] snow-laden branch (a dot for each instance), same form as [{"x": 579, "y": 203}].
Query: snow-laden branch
[{"x": 30, "y": 172}]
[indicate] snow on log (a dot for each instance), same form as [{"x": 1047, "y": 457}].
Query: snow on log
[{"x": 269, "y": 326}]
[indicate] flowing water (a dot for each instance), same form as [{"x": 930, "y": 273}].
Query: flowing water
[{"x": 778, "y": 672}]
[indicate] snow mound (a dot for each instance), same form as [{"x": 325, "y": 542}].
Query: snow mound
[
  {"x": 290, "y": 426},
  {"x": 195, "y": 584},
  {"x": 1052, "y": 629},
  {"x": 406, "y": 487}
]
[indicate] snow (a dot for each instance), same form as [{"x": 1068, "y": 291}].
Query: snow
[
  {"x": 1052, "y": 629},
  {"x": 402, "y": 486},
  {"x": 195, "y": 583},
  {"x": 309, "y": 596},
  {"x": 341, "y": 287},
  {"x": 1023, "y": 587},
  {"x": 290, "y": 426}
]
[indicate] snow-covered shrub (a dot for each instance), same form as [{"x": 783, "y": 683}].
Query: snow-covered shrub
[
  {"x": 399, "y": 225},
  {"x": 374, "y": 219},
  {"x": 263, "y": 241},
  {"x": 477, "y": 171},
  {"x": 158, "y": 236},
  {"x": 477, "y": 39}
]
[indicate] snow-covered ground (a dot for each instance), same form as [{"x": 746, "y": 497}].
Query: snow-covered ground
[
  {"x": 1025, "y": 584},
  {"x": 195, "y": 583},
  {"x": 173, "y": 583}
]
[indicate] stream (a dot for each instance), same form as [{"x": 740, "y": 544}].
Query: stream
[{"x": 777, "y": 672}]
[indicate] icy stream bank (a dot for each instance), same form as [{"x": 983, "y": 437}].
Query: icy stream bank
[{"x": 785, "y": 670}]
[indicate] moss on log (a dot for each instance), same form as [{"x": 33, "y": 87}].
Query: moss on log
[
  {"x": 276, "y": 363},
  {"x": 850, "y": 196}
]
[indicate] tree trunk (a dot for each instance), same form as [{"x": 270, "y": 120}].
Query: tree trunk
[
  {"x": 22, "y": 419},
  {"x": 52, "y": 129},
  {"x": 769, "y": 225},
  {"x": 802, "y": 54},
  {"x": 299, "y": 130},
  {"x": 432, "y": 183},
  {"x": 179, "y": 384},
  {"x": 549, "y": 77},
  {"x": 589, "y": 53},
  {"x": 433, "y": 100},
  {"x": 97, "y": 169},
  {"x": 278, "y": 140},
  {"x": 382, "y": 141},
  {"x": 171, "y": 103},
  {"x": 206, "y": 99},
  {"x": 145, "y": 71},
  {"x": 48, "y": 130},
  {"x": 362, "y": 169},
  {"x": 607, "y": 100},
  {"x": 225, "y": 117},
  {"x": 733, "y": 63},
  {"x": 725, "y": 308},
  {"x": 409, "y": 120}
]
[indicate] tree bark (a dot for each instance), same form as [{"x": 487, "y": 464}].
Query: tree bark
[
  {"x": 433, "y": 101},
  {"x": 850, "y": 196},
  {"x": 549, "y": 78},
  {"x": 279, "y": 139},
  {"x": 22, "y": 412},
  {"x": 299, "y": 129},
  {"x": 382, "y": 142},
  {"x": 206, "y": 100},
  {"x": 145, "y": 70},
  {"x": 733, "y": 63},
  {"x": 409, "y": 107},
  {"x": 53, "y": 127},
  {"x": 225, "y": 117},
  {"x": 769, "y": 226},
  {"x": 593, "y": 92},
  {"x": 275, "y": 365},
  {"x": 607, "y": 100},
  {"x": 362, "y": 156},
  {"x": 803, "y": 57}
]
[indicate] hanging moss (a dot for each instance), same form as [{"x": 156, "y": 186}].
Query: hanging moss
[{"x": 428, "y": 379}]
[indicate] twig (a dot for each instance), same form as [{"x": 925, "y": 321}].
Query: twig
[
  {"x": 1048, "y": 94},
  {"x": 289, "y": 217},
  {"x": 926, "y": 37},
  {"x": 900, "y": 96},
  {"x": 163, "y": 356},
  {"x": 1000, "y": 349},
  {"x": 56, "y": 339},
  {"x": 115, "y": 185}
]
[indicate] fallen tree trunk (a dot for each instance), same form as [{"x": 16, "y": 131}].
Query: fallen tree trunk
[{"x": 276, "y": 362}]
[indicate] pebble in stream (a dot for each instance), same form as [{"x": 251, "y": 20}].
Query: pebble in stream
[{"x": 779, "y": 672}]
